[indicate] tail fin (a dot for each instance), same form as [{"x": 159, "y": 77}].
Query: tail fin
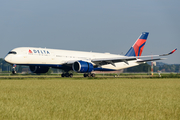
[{"x": 137, "y": 48}]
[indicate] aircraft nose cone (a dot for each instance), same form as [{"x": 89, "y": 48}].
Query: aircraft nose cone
[{"x": 7, "y": 59}]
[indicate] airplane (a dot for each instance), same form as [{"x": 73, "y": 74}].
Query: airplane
[{"x": 40, "y": 60}]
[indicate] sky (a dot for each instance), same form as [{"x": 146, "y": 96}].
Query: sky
[{"x": 91, "y": 25}]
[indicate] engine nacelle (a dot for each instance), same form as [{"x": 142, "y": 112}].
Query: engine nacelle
[
  {"x": 82, "y": 66},
  {"x": 38, "y": 69}
]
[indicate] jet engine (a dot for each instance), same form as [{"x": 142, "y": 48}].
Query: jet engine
[
  {"x": 82, "y": 67},
  {"x": 38, "y": 69}
]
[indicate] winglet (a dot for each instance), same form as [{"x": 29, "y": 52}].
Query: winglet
[
  {"x": 169, "y": 53},
  {"x": 173, "y": 51}
]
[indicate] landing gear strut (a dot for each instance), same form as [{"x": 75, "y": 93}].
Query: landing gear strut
[
  {"x": 89, "y": 75},
  {"x": 66, "y": 75},
  {"x": 14, "y": 69}
]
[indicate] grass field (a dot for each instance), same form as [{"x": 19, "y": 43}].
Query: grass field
[{"x": 90, "y": 99}]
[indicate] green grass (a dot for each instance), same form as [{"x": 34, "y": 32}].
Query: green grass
[{"x": 92, "y": 99}]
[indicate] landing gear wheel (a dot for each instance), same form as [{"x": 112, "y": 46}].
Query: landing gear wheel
[
  {"x": 14, "y": 69},
  {"x": 89, "y": 75},
  {"x": 92, "y": 75},
  {"x": 66, "y": 75},
  {"x": 85, "y": 75},
  {"x": 62, "y": 75},
  {"x": 13, "y": 72}
]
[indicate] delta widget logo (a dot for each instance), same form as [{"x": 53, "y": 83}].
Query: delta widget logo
[{"x": 30, "y": 52}]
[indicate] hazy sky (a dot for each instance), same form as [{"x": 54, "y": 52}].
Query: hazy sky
[{"x": 91, "y": 25}]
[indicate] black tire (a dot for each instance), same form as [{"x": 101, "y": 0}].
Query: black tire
[
  {"x": 92, "y": 75},
  {"x": 62, "y": 75},
  {"x": 85, "y": 75},
  {"x": 13, "y": 72}
]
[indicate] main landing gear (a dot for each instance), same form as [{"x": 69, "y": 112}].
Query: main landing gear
[
  {"x": 89, "y": 75},
  {"x": 71, "y": 75},
  {"x": 67, "y": 75}
]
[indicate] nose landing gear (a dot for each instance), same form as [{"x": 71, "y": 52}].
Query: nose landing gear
[{"x": 14, "y": 69}]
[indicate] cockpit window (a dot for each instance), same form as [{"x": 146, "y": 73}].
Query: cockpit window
[{"x": 12, "y": 52}]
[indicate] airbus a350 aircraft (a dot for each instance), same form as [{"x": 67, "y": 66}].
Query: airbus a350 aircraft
[{"x": 40, "y": 60}]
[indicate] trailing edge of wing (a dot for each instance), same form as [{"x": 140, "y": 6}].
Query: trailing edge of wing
[{"x": 141, "y": 61}]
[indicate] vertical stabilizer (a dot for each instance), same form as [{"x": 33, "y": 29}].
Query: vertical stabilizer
[{"x": 137, "y": 48}]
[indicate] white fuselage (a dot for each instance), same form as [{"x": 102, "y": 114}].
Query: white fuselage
[{"x": 44, "y": 56}]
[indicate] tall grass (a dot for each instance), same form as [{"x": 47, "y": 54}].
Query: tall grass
[{"x": 92, "y": 99}]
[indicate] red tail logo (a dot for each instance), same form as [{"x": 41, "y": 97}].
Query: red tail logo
[{"x": 30, "y": 51}]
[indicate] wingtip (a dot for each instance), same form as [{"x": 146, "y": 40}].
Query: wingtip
[{"x": 173, "y": 51}]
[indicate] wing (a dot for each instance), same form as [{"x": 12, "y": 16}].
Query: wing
[{"x": 105, "y": 61}]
